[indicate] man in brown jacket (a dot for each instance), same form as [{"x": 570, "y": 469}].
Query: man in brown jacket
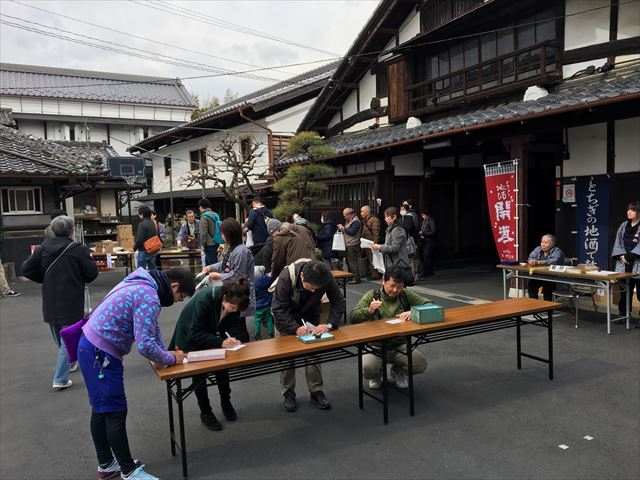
[
  {"x": 370, "y": 231},
  {"x": 290, "y": 243}
]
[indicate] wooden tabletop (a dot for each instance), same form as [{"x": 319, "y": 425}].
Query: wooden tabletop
[
  {"x": 544, "y": 270},
  {"x": 338, "y": 274},
  {"x": 290, "y": 346}
]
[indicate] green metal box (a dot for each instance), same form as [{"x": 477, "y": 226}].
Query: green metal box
[{"x": 427, "y": 313}]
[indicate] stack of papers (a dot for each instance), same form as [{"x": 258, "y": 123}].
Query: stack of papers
[
  {"x": 602, "y": 273},
  {"x": 203, "y": 355}
]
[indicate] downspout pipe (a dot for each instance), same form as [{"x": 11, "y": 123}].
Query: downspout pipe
[{"x": 269, "y": 138}]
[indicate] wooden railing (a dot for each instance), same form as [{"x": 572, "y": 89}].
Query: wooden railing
[
  {"x": 439, "y": 12},
  {"x": 498, "y": 74},
  {"x": 280, "y": 144}
]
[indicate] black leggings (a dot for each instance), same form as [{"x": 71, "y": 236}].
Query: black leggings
[
  {"x": 222, "y": 378},
  {"x": 109, "y": 433}
]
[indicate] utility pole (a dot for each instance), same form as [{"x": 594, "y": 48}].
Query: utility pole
[{"x": 131, "y": 180}]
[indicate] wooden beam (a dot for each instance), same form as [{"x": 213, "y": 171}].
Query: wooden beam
[
  {"x": 387, "y": 31},
  {"x": 614, "y": 48}
]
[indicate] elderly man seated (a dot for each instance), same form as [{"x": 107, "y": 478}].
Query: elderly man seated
[{"x": 546, "y": 254}]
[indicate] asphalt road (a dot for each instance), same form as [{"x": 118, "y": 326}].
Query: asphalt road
[{"x": 477, "y": 416}]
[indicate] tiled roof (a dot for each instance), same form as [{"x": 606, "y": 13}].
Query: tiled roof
[
  {"x": 571, "y": 93},
  {"x": 22, "y": 154},
  {"x": 96, "y": 150},
  {"x": 254, "y": 100},
  {"x": 37, "y": 81},
  {"x": 6, "y": 117},
  {"x": 274, "y": 91}
]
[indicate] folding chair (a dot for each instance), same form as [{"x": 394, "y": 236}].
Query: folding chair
[{"x": 574, "y": 292}]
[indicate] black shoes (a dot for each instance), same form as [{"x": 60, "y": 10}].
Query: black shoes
[
  {"x": 210, "y": 421},
  {"x": 289, "y": 401},
  {"x": 320, "y": 401},
  {"x": 228, "y": 410}
]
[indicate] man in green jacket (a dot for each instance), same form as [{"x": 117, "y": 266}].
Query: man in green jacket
[
  {"x": 392, "y": 300},
  {"x": 212, "y": 320}
]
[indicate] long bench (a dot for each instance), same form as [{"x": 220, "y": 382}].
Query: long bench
[{"x": 274, "y": 355}]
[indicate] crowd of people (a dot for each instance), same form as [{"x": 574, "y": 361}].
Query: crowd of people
[{"x": 283, "y": 280}]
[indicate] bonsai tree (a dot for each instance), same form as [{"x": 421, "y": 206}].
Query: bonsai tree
[{"x": 301, "y": 186}]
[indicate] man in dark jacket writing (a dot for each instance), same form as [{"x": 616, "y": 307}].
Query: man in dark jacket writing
[{"x": 297, "y": 302}]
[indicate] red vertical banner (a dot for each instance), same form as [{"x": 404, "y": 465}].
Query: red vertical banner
[{"x": 500, "y": 180}]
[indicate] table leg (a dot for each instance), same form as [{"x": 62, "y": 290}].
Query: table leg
[
  {"x": 183, "y": 446},
  {"x": 171, "y": 425},
  {"x": 550, "y": 339},
  {"x": 385, "y": 389},
  {"x": 360, "y": 380},
  {"x": 608, "y": 308},
  {"x": 344, "y": 292},
  {"x": 410, "y": 373},
  {"x": 504, "y": 284},
  {"x": 519, "y": 342},
  {"x": 628, "y": 312}
]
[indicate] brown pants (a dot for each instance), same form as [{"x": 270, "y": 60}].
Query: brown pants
[{"x": 313, "y": 374}]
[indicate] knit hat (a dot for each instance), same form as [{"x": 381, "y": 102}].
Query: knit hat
[{"x": 273, "y": 225}]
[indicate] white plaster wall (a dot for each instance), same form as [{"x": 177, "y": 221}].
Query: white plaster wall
[
  {"x": 120, "y": 136},
  {"x": 390, "y": 45},
  {"x": 91, "y": 109},
  {"x": 410, "y": 27},
  {"x": 588, "y": 151},
  {"x": 335, "y": 120},
  {"x": 568, "y": 70},
  {"x": 97, "y": 132},
  {"x": 180, "y": 158},
  {"x": 288, "y": 121},
  {"x": 12, "y": 102},
  {"x": 107, "y": 203},
  {"x": 628, "y": 20},
  {"x": 32, "y": 127},
  {"x": 588, "y": 28},
  {"x": 627, "y": 145},
  {"x": 50, "y": 107},
  {"x": 367, "y": 90},
  {"x": 350, "y": 106}
]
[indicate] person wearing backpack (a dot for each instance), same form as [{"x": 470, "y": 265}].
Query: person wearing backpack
[
  {"x": 63, "y": 267},
  {"x": 297, "y": 296},
  {"x": 257, "y": 221},
  {"x": 210, "y": 236},
  {"x": 146, "y": 244},
  {"x": 392, "y": 300}
]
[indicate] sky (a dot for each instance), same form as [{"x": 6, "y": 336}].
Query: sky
[{"x": 205, "y": 32}]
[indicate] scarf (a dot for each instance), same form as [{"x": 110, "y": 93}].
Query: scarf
[{"x": 165, "y": 294}]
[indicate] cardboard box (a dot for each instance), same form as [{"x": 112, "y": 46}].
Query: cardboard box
[
  {"x": 427, "y": 313},
  {"x": 125, "y": 230},
  {"x": 105, "y": 246},
  {"x": 126, "y": 242}
]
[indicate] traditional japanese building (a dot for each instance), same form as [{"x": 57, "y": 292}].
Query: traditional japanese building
[{"x": 431, "y": 91}]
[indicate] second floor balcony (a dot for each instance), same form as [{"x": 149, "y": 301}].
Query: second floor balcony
[{"x": 537, "y": 64}]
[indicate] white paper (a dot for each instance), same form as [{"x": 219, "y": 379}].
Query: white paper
[
  {"x": 394, "y": 321},
  {"x": 364, "y": 243},
  {"x": 377, "y": 261},
  {"x": 237, "y": 347}
]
